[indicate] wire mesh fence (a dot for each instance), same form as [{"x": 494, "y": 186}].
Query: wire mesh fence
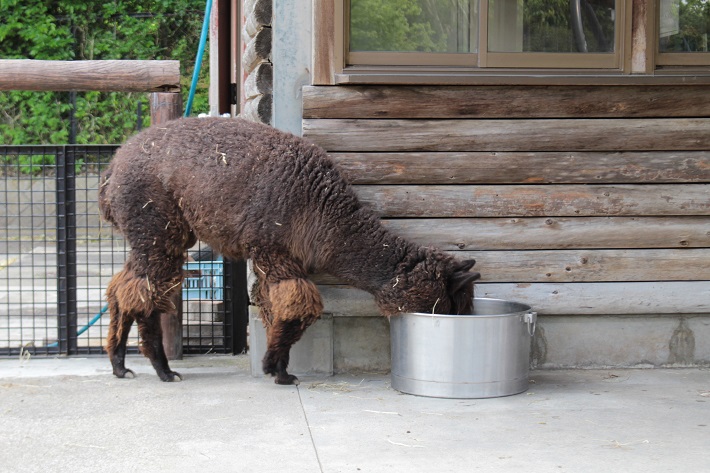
[{"x": 57, "y": 257}]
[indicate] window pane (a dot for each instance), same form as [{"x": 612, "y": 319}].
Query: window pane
[
  {"x": 551, "y": 26},
  {"x": 439, "y": 26},
  {"x": 684, "y": 26}
]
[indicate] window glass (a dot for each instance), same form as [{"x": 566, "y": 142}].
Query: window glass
[
  {"x": 551, "y": 26},
  {"x": 684, "y": 26},
  {"x": 426, "y": 26}
]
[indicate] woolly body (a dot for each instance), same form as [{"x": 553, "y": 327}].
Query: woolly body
[{"x": 250, "y": 191}]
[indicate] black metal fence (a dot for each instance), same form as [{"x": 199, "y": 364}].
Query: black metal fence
[{"x": 57, "y": 257}]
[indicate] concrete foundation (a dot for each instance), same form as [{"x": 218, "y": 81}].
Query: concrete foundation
[
  {"x": 312, "y": 355},
  {"x": 622, "y": 341},
  {"x": 361, "y": 343}
]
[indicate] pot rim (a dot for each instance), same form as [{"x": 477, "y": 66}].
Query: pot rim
[{"x": 526, "y": 309}]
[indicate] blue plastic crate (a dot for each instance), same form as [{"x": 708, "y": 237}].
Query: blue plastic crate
[{"x": 204, "y": 280}]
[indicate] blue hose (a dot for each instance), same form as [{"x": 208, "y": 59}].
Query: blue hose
[
  {"x": 85, "y": 327},
  {"x": 198, "y": 60}
]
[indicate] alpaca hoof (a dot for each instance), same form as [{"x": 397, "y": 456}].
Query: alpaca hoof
[
  {"x": 170, "y": 376},
  {"x": 123, "y": 373},
  {"x": 287, "y": 380}
]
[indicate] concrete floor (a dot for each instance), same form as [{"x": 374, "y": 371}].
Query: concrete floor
[{"x": 72, "y": 415}]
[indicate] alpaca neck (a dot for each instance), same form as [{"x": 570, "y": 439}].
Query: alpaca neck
[{"x": 367, "y": 255}]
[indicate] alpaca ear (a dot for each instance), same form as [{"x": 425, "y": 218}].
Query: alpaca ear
[
  {"x": 465, "y": 265},
  {"x": 460, "y": 279},
  {"x": 460, "y": 288}
]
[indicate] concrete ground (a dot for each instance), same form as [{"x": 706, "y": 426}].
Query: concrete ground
[{"x": 72, "y": 415}]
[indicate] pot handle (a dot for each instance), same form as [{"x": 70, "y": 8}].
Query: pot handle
[{"x": 531, "y": 319}]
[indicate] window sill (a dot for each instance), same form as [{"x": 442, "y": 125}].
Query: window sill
[{"x": 466, "y": 76}]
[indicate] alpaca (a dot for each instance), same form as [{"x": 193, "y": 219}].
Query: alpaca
[{"x": 251, "y": 191}]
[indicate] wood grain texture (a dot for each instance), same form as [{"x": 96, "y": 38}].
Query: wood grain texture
[
  {"x": 324, "y": 54},
  {"x": 592, "y": 265},
  {"x": 576, "y": 199},
  {"x": 537, "y": 200},
  {"x": 104, "y": 76},
  {"x": 393, "y": 135},
  {"x": 525, "y": 167},
  {"x": 566, "y": 266},
  {"x": 631, "y": 298},
  {"x": 257, "y": 49},
  {"x": 665, "y": 297},
  {"x": 497, "y": 101},
  {"x": 165, "y": 106},
  {"x": 452, "y": 234}
]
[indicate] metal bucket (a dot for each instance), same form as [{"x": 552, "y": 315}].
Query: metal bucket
[{"x": 486, "y": 354}]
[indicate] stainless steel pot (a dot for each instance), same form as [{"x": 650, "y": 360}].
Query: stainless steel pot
[{"x": 486, "y": 354}]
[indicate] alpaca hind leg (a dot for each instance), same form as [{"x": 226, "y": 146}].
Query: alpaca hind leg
[
  {"x": 152, "y": 223},
  {"x": 118, "y": 330},
  {"x": 293, "y": 305},
  {"x": 152, "y": 346},
  {"x": 141, "y": 292}
]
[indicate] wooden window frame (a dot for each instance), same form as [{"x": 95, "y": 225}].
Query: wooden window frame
[
  {"x": 483, "y": 58},
  {"x": 637, "y": 58}
]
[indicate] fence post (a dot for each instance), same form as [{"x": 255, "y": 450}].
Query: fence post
[
  {"x": 236, "y": 306},
  {"x": 66, "y": 250},
  {"x": 165, "y": 106}
]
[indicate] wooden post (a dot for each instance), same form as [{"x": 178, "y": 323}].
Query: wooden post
[
  {"x": 171, "y": 325},
  {"x": 166, "y": 106}
]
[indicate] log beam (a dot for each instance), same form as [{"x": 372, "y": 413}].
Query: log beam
[{"x": 103, "y": 76}]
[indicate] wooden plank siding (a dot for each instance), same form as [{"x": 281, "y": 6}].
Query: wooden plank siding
[
  {"x": 574, "y": 199},
  {"x": 364, "y": 102},
  {"x": 537, "y": 200},
  {"x": 550, "y": 233},
  {"x": 632, "y": 298},
  {"x": 549, "y": 134},
  {"x": 563, "y": 266},
  {"x": 526, "y": 167}
]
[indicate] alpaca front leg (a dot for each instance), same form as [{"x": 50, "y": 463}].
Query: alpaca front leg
[
  {"x": 291, "y": 306},
  {"x": 281, "y": 336}
]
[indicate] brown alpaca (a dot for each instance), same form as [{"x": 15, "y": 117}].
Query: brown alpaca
[{"x": 250, "y": 191}]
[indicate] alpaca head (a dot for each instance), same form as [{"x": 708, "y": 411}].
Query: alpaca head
[{"x": 432, "y": 283}]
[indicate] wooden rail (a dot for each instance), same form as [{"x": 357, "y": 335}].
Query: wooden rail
[{"x": 103, "y": 76}]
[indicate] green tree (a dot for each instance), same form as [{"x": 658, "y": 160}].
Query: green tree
[
  {"x": 396, "y": 25},
  {"x": 694, "y": 24},
  {"x": 81, "y": 30},
  {"x": 547, "y": 26}
]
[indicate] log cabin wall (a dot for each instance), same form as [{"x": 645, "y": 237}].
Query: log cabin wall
[{"x": 577, "y": 200}]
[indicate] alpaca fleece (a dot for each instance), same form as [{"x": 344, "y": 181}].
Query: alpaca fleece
[{"x": 251, "y": 191}]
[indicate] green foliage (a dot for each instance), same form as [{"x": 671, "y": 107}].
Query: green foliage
[
  {"x": 391, "y": 26},
  {"x": 83, "y": 30},
  {"x": 547, "y": 26},
  {"x": 694, "y": 22}
]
